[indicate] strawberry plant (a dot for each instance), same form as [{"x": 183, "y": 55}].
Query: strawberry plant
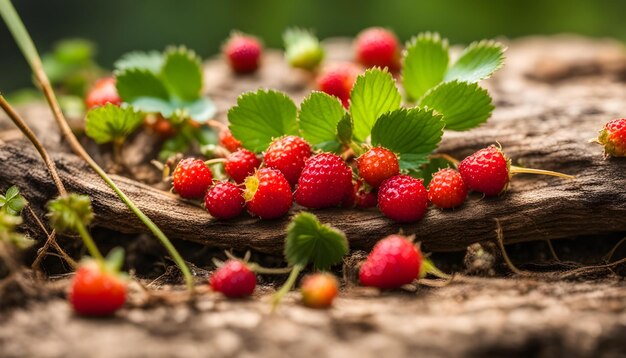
[
  {"x": 11, "y": 205},
  {"x": 112, "y": 124}
]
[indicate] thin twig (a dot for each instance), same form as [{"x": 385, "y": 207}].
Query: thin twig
[
  {"x": 505, "y": 256},
  {"x": 552, "y": 251},
  {"x": 609, "y": 256},
  {"x": 50, "y": 241}
]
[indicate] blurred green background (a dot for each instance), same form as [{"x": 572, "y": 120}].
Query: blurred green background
[{"x": 119, "y": 26}]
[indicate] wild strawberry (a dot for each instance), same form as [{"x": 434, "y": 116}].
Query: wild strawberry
[
  {"x": 288, "y": 155},
  {"x": 161, "y": 126},
  {"x": 359, "y": 197},
  {"x": 268, "y": 194},
  {"x": 103, "y": 92},
  {"x": 324, "y": 181},
  {"x": 192, "y": 178},
  {"x": 613, "y": 138},
  {"x": 319, "y": 290},
  {"x": 302, "y": 49},
  {"x": 393, "y": 262},
  {"x": 376, "y": 165},
  {"x": 224, "y": 200},
  {"x": 447, "y": 189},
  {"x": 403, "y": 198},
  {"x": 228, "y": 141},
  {"x": 488, "y": 171},
  {"x": 240, "y": 164},
  {"x": 243, "y": 53},
  {"x": 378, "y": 47},
  {"x": 337, "y": 80},
  {"x": 95, "y": 291},
  {"x": 234, "y": 279}
]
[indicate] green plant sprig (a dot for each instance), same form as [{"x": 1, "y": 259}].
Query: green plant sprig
[{"x": 26, "y": 45}]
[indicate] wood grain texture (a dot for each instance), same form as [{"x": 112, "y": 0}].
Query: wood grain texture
[{"x": 539, "y": 122}]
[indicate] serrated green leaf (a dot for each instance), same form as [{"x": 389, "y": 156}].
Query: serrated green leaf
[
  {"x": 200, "y": 110},
  {"x": 424, "y": 64},
  {"x": 309, "y": 241},
  {"x": 412, "y": 133},
  {"x": 139, "y": 83},
  {"x": 67, "y": 212},
  {"x": 319, "y": 115},
  {"x": 345, "y": 127},
  {"x": 463, "y": 105},
  {"x": 373, "y": 94},
  {"x": 12, "y": 201},
  {"x": 477, "y": 62},
  {"x": 182, "y": 74},
  {"x": 261, "y": 116},
  {"x": 151, "y": 61},
  {"x": 111, "y": 123},
  {"x": 154, "y": 105}
]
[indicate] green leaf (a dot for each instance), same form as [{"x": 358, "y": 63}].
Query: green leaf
[
  {"x": 200, "y": 110},
  {"x": 345, "y": 127},
  {"x": 111, "y": 123},
  {"x": 320, "y": 114},
  {"x": 8, "y": 223},
  {"x": 151, "y": 61},
  {"x": 261, "y": 116},
  {"x": 182, "y": 74},
  {"x": 309, "y": 241},
  {"x": 302, "y": 48},
  {"x": 134, "y": 83},
  {"x": 427, "y": 170},
  {"x": 424, "y": 64},
  {"x": 373, "y": 94},
  {"x": 477, "y": 62},
  {"x": 115, "y": 259},
  {"x": 154, "y": 105},
  {"x": 74, "y": 51},
  {"x": 67, "y": 212},
  {"x": 12, "y": 201},
  {"x": 412, "y": 133},
  {"x": 463, "y": 105}
]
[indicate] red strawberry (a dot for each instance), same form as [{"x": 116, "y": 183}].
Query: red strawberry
[
  {"x": 268, "y": 194},
  {"x": 376, "y": 165},
  {"x": 243, "y": 53},
  {"x": 288, "y": 155},
  {"x": 240, "y": 164},
  {"x": 224, "y": 200},
  {"x": 319, "y": 290},
  {"x": 378, "y": 47},
  {"x": 359, "y": 197},
  {"x": 324, "y": 181},
  {"x": 393, "y": 262},
  {"x": 337, "y": 80},
  {"x": 403, "y": 198},
  {"x": 234, "y": 279},
  {"x": 103, "y": 92},
  {"x": 161, "y": 126},
  {"x": 96, "y": 292},
  {"x": 447, "y": 189},
  {"x": 192, "y": 178},
  {"x": 228, "y": 141},
  {"x": 613, "y": 137},
  {"x": 488, "y": 171}
]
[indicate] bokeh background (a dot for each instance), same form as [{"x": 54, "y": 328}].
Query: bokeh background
[{"x": 119, "y": 26}]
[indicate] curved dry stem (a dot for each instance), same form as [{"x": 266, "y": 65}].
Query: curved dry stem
[{"x": 519, "y": 170}]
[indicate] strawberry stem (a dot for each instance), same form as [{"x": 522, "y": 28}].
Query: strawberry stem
[
  {"x": 428, "y": 267},
  {"x": 26, "y": 45},
  {"x": 215, "y": 161},
  {"x": 287, "y": 286},
  {"x": 447, "y": 157},
  {"x": 89, "y": 243},
  {"x": 269, "y": 270},
  {"x": 518, "y": 170}
]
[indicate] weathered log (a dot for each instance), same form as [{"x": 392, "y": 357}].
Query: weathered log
[{"x": 539, "y": 125}]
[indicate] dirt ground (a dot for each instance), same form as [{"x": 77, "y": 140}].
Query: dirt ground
[{"x": 528, "y": 315}]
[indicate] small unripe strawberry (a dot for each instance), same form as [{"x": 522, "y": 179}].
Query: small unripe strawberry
[
  {"x": 447, "y": 189},
  {"x": 613, "y": 138},
  {"x": 243, "y": 53},
  {"x": 95, "y": 291},
  {"x": 103, "y": 92},
  {"x": 228, "y": 141},
  {"x": 393, "y": 262},
  {"x": 192, "y": 178},
  {"x": 376, "y": 46},
  {"x": 488, "y": 171},
  {"x": 324, "y": 182},
  {"x": 240, "y": 164},
  {"x": 302, "y": 49},
  {"x": 376, "y": 165},
  {"x": 403, "y": 198},
  {"x": 319, "y": 290},
  {"x": 268, "y": 194},
  {"x": 337, "y": 80},
  {"x": 234, "y": 279},
  {"x": 224, "y": 200},
  {"x": 288, "y": 154}
]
